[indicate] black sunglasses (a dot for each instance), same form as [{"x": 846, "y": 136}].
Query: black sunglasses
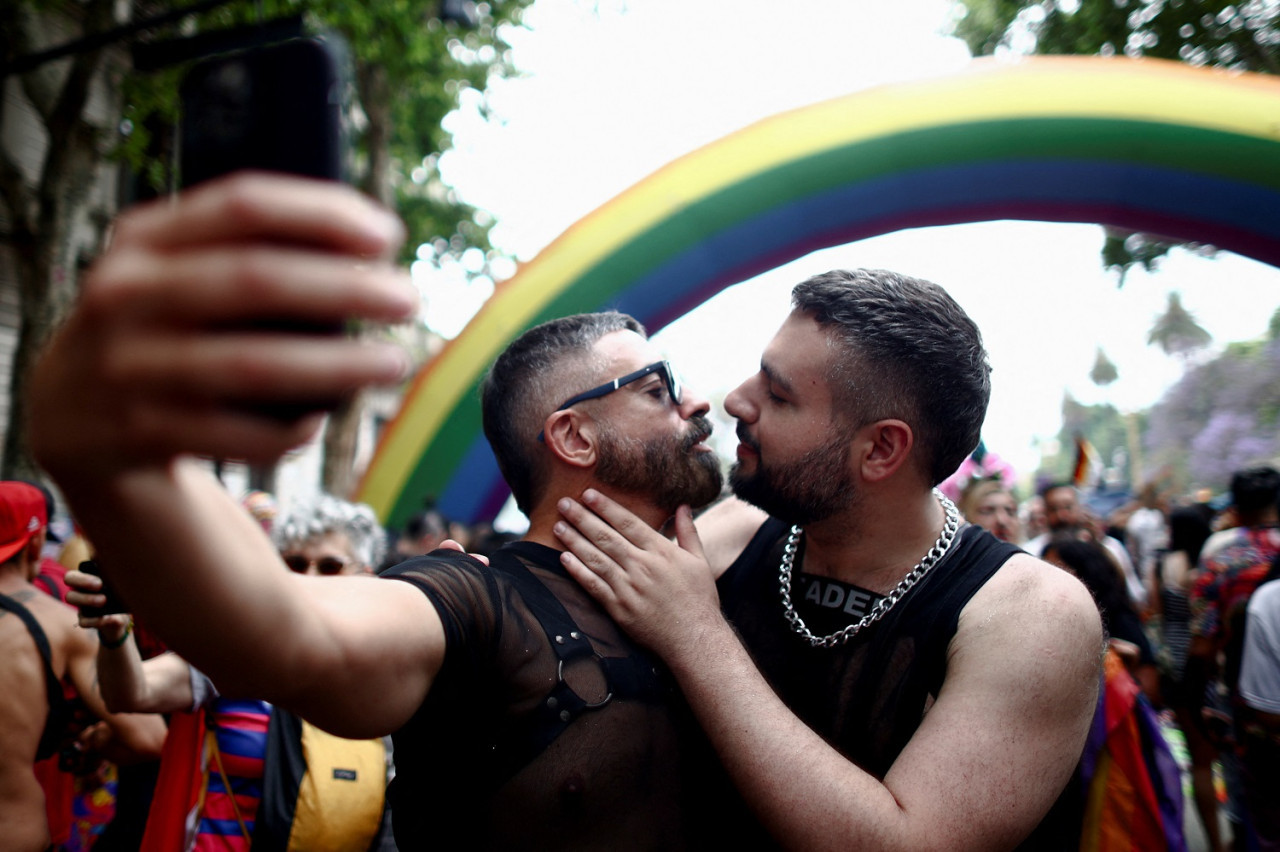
[
  {"x": 662, "y": 368},
  {"x": 326, "y": 565}
]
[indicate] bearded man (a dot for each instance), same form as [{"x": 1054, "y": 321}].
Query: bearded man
[
  {"x": 522, "y": 716},
  {"x": 880, "y": 677}
]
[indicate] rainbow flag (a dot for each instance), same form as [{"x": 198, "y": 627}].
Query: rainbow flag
[{"x": 1133, "y": 789}]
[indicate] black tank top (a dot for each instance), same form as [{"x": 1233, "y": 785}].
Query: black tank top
[
  {"x": 55, "y": 725},
  {"x": 866, "y": 698}
]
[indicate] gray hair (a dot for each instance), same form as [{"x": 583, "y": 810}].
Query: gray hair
[
  {"x": 323, "y": 514},
  {"x": 528, "y": 380}
]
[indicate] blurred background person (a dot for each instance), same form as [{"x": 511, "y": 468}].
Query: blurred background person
[
  {"x": 1094, "y": 566},
  {"x": 1032, "y": 516},
  {"x": 992, "y": 506},
  {"x": 1174, "y": 572},
  {"x": 42, "y": 654},
  {"x": 1128, "y": 776},
  {"x": 1233, "y": 563},
  {"x": 218, "y": 743},
  {"x": 423, "y": 532},
  {"x": 1066, "y": 516},
  {"x": 1259, "y": 711}
]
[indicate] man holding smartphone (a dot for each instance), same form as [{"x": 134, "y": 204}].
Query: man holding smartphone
[
  {"x": 524, "y": 717},
  {"x": 168, "y": 356}
]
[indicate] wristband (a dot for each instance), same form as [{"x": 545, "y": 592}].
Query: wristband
[{"x": 113, "y": 644}]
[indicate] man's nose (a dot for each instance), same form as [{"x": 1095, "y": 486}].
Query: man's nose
[
  {"x": 693, "y": 404},
  {"x": 738, "y": 404}
]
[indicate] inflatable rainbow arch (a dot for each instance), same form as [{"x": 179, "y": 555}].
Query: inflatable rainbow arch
[{"x": 1147, "y": 145}]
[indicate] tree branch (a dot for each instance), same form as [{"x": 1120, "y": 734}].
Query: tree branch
[
  {"x": 15, "y": 192},
  {"x": 23, "y": 31}
]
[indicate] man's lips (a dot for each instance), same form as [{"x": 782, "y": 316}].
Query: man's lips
[
  {"x": 698, "y": 437},
  {"x": 747, "y": 445}
]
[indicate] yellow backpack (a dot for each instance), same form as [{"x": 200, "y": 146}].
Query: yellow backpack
[{"x": 320, "y": 792}]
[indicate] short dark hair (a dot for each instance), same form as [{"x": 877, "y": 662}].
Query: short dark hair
[
  {"x": 1094, "y": 565},
  {"x": 526, "y": 383},
  {"x": 1054, "y": 486},
  {"x": 1255, "y": 489},
  {"x": 428, "y": 521},
  {"x": 910, "y": 352},
  {"x": 1189, "y": 529}
]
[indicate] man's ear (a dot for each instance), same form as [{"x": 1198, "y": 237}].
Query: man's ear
[
  {"x": 884, "y": 447},
  {"x": 33, "y": 549},
  {"x": 571, "y": 436}
]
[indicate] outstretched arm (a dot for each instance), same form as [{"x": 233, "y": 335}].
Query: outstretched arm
[
  {"x": 173, "y": 351},
  {"x": 124, "y": 737},
  {"x": 987, "y": 762},
  {"x": 128, "y": 684}
]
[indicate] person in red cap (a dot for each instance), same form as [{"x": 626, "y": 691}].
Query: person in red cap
[{"x": 40, "y": 648}]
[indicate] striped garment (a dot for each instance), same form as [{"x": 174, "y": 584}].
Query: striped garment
[
  {"x": 234, "y": 746},
  {"x": 192, "y": 811}
]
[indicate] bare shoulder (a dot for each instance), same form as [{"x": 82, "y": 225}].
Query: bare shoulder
[
  {"x": 1030, "y": 608},
  {"x": 1016, "y": 702},
  {"x": 59, "y": 622},
  {"x": 725, "y": 530}
]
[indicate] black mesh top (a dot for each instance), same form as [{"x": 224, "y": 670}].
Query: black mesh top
[{"x": 546, "y": 728}]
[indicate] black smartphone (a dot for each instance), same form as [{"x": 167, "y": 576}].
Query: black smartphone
[
  {"x": 113, "y": 604},
  {"x": 277, "y": 107}
]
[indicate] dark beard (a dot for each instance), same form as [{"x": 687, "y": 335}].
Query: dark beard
[
  {"x": 662, "y": 469},
  {"x": 811, "y": 488}
]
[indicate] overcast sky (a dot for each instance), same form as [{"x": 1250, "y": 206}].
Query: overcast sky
[{"x": 613, "y": 91}]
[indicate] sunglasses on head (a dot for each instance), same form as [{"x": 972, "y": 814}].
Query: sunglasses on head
[
  {"x": 325, "y": 565},
  {"x": 662, "y": 368}
]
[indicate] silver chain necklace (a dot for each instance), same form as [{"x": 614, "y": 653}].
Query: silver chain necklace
[{"x": 882, "y": 606}]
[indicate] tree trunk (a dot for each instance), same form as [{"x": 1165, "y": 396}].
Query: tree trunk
[
  {"x": 44, "y": 218},
  {"x": 338, "y": 474}
]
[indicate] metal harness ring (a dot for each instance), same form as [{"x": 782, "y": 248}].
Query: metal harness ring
[{"x": 587, "y": 705}]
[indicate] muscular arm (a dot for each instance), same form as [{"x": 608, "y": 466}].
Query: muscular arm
[
  {"x": 991, "y": 756},
  {"x": 168, "y": 352},
  {"x": 318, "y": 645}
]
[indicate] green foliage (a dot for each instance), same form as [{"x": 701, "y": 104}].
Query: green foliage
[
  {"x": 1239, "y": 35},
  {"x": 422, "y": 66},
  {"x": 987, "y": 24},
  {"x": 149, "y": 114},
  {"x": 1104, "y": 371},
  {"x": 1176, "y": 330}
]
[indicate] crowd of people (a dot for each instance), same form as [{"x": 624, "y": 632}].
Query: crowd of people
[
  {"x": 1175, "y": 578},
  {"x": 821, "y": 654}
]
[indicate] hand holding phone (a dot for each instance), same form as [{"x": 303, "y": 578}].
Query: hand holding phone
[
  {"x": 113, "y": 604},
  {"x": 277, "y": 108}
]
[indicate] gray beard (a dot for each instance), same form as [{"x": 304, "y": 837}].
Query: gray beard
[{"x": 664, "y": 470}]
